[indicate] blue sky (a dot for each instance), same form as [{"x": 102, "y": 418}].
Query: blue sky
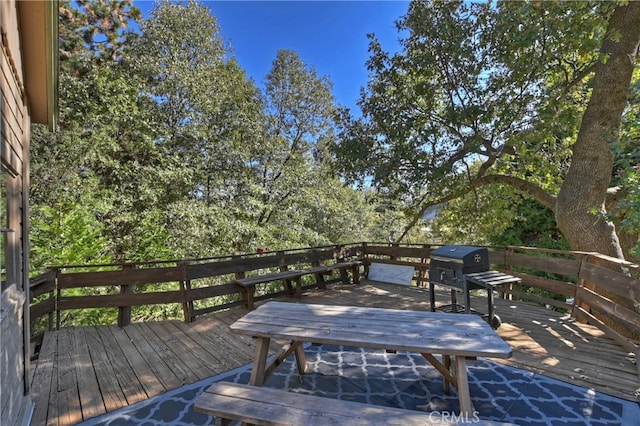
[{"x": 330, "y": 36}]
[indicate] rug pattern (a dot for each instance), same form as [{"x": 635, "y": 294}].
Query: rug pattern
[{"x": 406, "y": 380}]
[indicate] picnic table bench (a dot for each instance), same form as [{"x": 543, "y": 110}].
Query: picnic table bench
[
  {"x": 248, "y": 285},
  {"x": 265, "y": 406}
]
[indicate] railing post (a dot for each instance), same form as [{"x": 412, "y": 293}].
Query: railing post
[
  {"x": 508, "y": 252},
  {"x": 365, "y": 258},
  {"x": 57, "y": 300},
  {"x": 185, "y": 287},
  {"x": 508, "y": 268},
  {"x": 423, "y": 276},
  {"x": 319, "y": 276},
  {"x": 244, "y": 292},
  {"x": 124, "y": 312},
  {"x": 394, "y": 251},
  {"x": 52, "y": 297},
  {"x": 285, "y": 267},
  {"x": 339, "y": 252},
  {"x": 582, "y": 283}
]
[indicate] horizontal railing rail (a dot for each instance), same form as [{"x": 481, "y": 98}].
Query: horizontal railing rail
[{"x": 593, "y": 288}]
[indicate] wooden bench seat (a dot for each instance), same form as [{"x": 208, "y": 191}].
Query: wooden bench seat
[
  {"x": 265, "y": 406},
  {"x": 248, "y": 285},
  {"x": 354, "y": 265}
]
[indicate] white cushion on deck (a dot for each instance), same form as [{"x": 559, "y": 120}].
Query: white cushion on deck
[{"x": 395, "y": 274}]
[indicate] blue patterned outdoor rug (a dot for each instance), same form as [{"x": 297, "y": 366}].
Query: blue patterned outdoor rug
[{"x": 406, "y": 380}]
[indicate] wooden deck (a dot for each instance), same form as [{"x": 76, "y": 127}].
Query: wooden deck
[{"x": 84, "y": 372}]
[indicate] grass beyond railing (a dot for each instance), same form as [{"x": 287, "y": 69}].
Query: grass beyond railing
[{"x": 593, "y": 288}]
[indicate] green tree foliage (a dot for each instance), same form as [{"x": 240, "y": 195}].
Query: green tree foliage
[
  {"x": 298, "y": 115},
  {"x": 93, "y": 32},
  {"x": 485, "y": 94},
  {"x": 168, "y": 150},
  {"x": 631, "y": 207},
  {"x": 533, "y": 225},
  {"x": 203, "y": 110},
  {"x": 461, "y": 221},
  {"x": 626, "y": 181},
  {"x": 68, "y": 234},
  {"x": 73, "y": 176}
]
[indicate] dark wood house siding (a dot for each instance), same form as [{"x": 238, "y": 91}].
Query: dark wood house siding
[{"x": 15, "y": 402}]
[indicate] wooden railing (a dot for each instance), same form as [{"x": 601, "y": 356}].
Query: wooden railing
[
  {"x": 198, "y": 286},
  {"x": 591, "y": 287}
]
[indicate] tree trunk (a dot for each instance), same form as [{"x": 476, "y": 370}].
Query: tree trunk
[{"x": 580, "y": 210}]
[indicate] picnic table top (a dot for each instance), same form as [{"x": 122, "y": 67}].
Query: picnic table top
[{"x": 392, "y": 329}]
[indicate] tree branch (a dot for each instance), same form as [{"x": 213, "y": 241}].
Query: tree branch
[{"x": 526, "y": 187}]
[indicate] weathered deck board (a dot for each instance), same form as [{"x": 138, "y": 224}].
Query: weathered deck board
[
  {"x": 146, "y": 359},
  {"x": 68, "y": 380},
  {"x": 104, "y": 370},
  {"x": 215, "y": 332},
  {"x": 42, "y": 376},
  {"x": 149, "y": 381},
  {"x": 165, "y": 344},
  {"x": 90, "y": 396},
  {"x": 206, "y": 350},
  {"x": 131, "y": 387},
  {"x": 157, "y": 367}
]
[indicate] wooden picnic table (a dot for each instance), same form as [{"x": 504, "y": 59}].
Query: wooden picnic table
[{"x": 462, "y": 336}]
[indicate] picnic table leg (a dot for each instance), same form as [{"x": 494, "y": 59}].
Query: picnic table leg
[
  {"x": 283, "y": 354},
  {"x": 466, "y": 406},
  {"x": 260, "y": 361},
  {"x": 301, "y": 359},
  {"x": 447, "y": 366},
  {"x": 444, "y": 368}
]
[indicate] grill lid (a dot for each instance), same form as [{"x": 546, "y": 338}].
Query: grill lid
[{"x": 465, "y": 255}]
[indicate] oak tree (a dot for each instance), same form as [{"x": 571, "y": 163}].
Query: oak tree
[{"x": 528, "y": 95}]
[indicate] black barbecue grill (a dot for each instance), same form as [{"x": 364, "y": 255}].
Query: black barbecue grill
[
  {"x": 465, "y": 268},
  {"x": 448, "y": 264}
]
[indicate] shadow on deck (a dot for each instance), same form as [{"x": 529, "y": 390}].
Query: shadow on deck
[{"x": 84, "y": 372}]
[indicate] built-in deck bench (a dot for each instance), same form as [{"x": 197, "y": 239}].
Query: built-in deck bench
[
  {"x": 248, "y": 285},
  {"x": 265, "y": 406}
]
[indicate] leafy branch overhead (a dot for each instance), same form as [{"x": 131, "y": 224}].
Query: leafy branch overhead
[{"x": 484, "y": 94}]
